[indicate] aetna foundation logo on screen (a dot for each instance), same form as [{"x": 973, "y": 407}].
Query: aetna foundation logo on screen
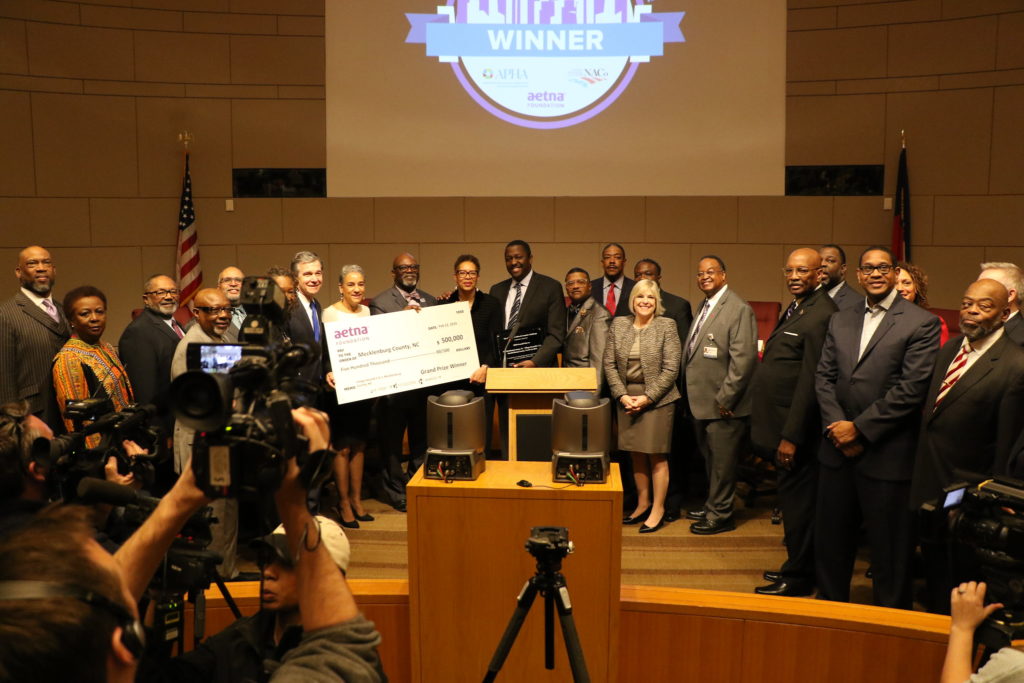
[{"x": 545, "y": 63}]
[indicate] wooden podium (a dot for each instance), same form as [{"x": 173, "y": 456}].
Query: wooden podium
[
  {"x": 468, "y": 563},
  {"x": 530, "y": 391}
]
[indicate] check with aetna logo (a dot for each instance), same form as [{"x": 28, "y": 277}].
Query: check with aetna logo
[{"x": 394, "y": 352}]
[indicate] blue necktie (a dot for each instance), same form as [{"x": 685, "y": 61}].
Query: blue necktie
[{"x": 316, "y": 322}]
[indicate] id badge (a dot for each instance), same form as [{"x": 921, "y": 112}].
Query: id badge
[{"x": 711, "y": 352}]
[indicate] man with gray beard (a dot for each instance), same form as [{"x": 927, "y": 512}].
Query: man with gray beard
[
  {"x": 972, "y": 415},
  {"x": 32, "y": 330}
]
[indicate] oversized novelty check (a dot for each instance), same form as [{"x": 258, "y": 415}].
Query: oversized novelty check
[{"x": 385, "y": 354}]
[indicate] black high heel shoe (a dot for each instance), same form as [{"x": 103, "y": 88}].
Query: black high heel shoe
[
  {"x": 644, "y": 529},
  {"x": 365, "y": 518},
  {"x": 629, "y": 521}
]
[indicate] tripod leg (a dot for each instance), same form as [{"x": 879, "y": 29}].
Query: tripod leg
[
  {"x": 572, "y": 639},
  {"x": 227, "y": 597},
  {"x": 549, "y": 631},
  {"x": 523, "y": 603}
]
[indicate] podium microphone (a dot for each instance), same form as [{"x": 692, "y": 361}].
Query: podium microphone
[{"x": 508, "y": 343}]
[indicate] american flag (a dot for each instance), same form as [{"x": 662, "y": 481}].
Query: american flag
[{"x": 190, "y": 273}]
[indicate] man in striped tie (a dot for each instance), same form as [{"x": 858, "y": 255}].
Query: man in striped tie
[
  {"x": 871, "y": 384},
  {"x": 974, "y": 412}
]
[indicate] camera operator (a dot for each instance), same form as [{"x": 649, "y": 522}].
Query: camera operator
[
  {"x": 252, "y": 646},
  {"x": 26, "y": 470},
  {"x": 68, "y": 610},
  {"x": 969, "y": 611}
]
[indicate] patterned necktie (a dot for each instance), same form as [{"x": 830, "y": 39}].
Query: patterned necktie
[
  {"x": 316, "y": 322},
  {"x": 955, "y": 372},
  {"x": 513, "y": 316},
  {"x": 51, "y": 310},
  {"x": 696, "y": 328},
  {"x": 177, "y": 328},
  {"x": 789, "y": 311},
  {"x": 610, "y": 301}
]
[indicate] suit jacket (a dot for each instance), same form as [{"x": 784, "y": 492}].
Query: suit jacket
[
  {"x": 146, "y": 348},
  {"x": 1014, "y": 329},
  {"x": 883, "y": 391},
  {"x": 847, "y": 298},
  {"x": 785, "y": 406},
  {"x": 299, "y": 329},
  {"x": 977, "y": 422},
  {"x": 586, "y": 338},
  {"x": 391, "y": 301},
  {"x": 600, "y": 293},
  {"x": 660, "y": 352},
  {"x": 29, "y": 339},
  {"x": 731, "y": 328},
  {"x": 543, "y": 306},
  {"x": 678, "y": 309}
]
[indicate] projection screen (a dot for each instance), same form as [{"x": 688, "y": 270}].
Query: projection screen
[{"x": 555, "y": 97}]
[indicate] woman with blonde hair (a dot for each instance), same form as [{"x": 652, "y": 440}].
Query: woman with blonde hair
[{"x": 641, "y": 363}]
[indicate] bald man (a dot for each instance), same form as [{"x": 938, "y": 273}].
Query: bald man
[
  {"x": 406, "y": 410},
  {"x": 32, "y": 330},
  {"x": 786, "y": 421},
  {"x": 972, "y": 416},
  {"x": 213, "y": 318}
]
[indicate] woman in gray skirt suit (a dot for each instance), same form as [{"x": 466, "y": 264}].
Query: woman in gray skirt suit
[{"x": 641, "y": 363}]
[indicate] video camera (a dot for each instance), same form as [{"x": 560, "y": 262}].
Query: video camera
[
  {"x": 242, "y": 417},
  {"x": 987, "y": 516},
  {"x": 72, "y": 459}
]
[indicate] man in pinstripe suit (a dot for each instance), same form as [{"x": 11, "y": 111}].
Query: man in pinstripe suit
[{"x": 32, "y": 330}]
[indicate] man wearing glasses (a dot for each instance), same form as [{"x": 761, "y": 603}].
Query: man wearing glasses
[
  {"x": 147, "y": 345},
  {"x": 230, "y": 282},
  {"x": 871, "y": 383},
  {"x": 408, "y": 409},
  {"x": 213, "y": 318}
]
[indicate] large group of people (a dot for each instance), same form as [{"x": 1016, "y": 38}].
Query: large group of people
[{"x": 857, "y": 399}]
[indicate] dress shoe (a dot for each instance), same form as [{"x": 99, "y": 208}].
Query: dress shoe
[
  {"x": 707, "y": 527},
  {"x": 791, "y": 588},
  {"x": 772, "y": 577},
  {"x": 365, "y": 518},
  {"x": 628, "y": 521},
  {"x": 644, "y": 529},
  {"x": 697, "y": 515},
  {"x": 354, "y": 524},
  {"x": 671, "y": 516},
  {"x": 399, "y": 505}
]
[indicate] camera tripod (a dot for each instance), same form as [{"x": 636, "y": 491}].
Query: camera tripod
[{"x": 550, "y": 583}]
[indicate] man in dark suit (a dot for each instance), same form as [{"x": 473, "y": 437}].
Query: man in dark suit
[
  {"x": 540, "y": 304},
  {"x": 678, "y": 309},
  {"x": 785, "y": 425},
  {"x": 229, "y": 281},
  {"x": 871, "y": 384},
  {"x": 407, "y": 409},
  {"x": 719, "y": 357},
  {"x": 304, "y": 324},
  {"x": 586, "y": 326},
  {"x": 833, "y": 277},
  {"x": 147, "y": 347},
  {"x": 612, "y": 290},
  {"x": 974, "y": 413},
  {"x": 1012, "y": 277},
  {"x": 32, "y": 331}
]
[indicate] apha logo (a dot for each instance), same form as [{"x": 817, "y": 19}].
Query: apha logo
[{"x": 528, "y": 47}]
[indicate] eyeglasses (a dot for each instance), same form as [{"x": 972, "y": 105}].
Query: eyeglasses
[
  {"x": 467, "y": 273},
  {"x": 407, "y": 269},
  {"x": 569, "y": 283},
  {"x": 162, "y": 292},
  {"x": 231, "y": 279},
  {"x": 709, "y": 271},
  {"x": 884, "y": 268},
  {"x": 799, "y": 271},
  {"x": 214, "y": 310}
]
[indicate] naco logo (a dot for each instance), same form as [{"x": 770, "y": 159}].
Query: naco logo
[{"x": 506, "y": 52}]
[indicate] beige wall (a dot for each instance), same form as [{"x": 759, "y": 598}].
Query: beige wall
[{"x": 92, "y": 96}]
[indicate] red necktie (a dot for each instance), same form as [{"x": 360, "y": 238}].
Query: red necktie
[
  {"x": 610, "y": 301},
  {"x": 955, "y": 372},
  {"x": 177, "y": 328}
]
